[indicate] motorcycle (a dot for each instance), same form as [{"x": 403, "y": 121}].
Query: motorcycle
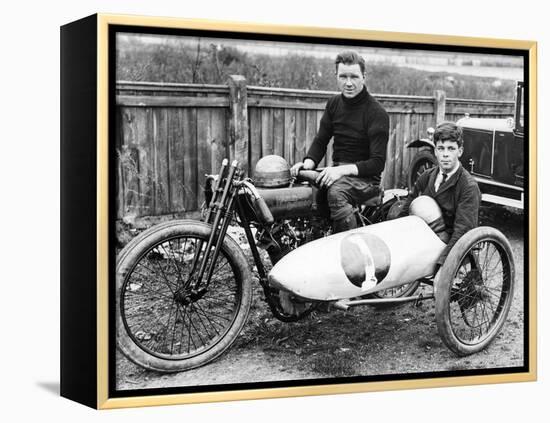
[{"x": 184, "y": 288}]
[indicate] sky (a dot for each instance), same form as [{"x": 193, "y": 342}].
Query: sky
[{"x": 483, "y": 64}]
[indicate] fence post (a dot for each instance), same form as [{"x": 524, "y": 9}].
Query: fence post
[
  {"x": 238, "y": 107},
  {"x": 439, "y": 106}
]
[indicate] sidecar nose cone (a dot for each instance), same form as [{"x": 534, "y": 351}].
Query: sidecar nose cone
[
  {"x": 283, "y": 277},
  {"x": 304, "y": 272},
  {"x": 275, "y": 281}
]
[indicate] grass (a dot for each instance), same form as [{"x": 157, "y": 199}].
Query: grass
[{"x": 170, "y": 62}]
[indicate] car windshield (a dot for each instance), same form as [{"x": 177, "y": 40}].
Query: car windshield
[{"x": 519, "y": 107}]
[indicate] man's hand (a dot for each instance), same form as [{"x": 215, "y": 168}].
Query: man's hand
[
  {"x": 329, "y": 175},
  {"x": 307, "y": 164}
]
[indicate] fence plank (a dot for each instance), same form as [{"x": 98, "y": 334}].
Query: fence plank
[
  {"x": 147, "y": 178},
  {"x": 219, "y": 140},
  {"x": 290, "y": 135},
  {"x": 255, "y": 137},
  {"x": 311, "y": 127},
  {"x": 399, "y": 134},
  {"x": 327, "y": 161},
  {"x": 479, "y": 108},
  {"x": 139, "y": 192},
  {"x": 170, "y": 101},
  {"x": 176, "y": 159},
  {"x": 204, "y": 150},
  {"x": 278, "y": 132},
  {"x": 239, "y": 118},
  {"x": 230, "y": 146},
  {"x": 300, "y": 146},
  {"x": 162, "y": 181},
  {"x": 267, "y": 132},
  {"x": 130, "y": 159},
  {"x": 119, "y": 185},
  {"x": 170, "y": 88},
  {"x": 397, "y": 141},
  {"x": 388, "y": 177},
  {"x": 268, "y": 103},
  {"x": 190, "y": 159},
  {"x": 414, "y": 135},
  {"x": 399, "y": 163},
  {"x": 439, "y": 106}
]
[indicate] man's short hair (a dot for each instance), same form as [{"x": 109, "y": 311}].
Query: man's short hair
[
  {"x": 350, "y": 57},
  {"x": 448, "y": 131}
]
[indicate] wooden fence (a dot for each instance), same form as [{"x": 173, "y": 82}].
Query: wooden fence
[{"x": 168, "y": 136}]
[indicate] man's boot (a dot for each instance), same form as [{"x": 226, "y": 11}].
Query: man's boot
[{"x": 345, "y": 224}]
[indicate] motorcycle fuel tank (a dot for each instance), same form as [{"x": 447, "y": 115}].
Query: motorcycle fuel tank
[
  {"x": 360, "y": 261},
  {"x": 286, "y": 203}
]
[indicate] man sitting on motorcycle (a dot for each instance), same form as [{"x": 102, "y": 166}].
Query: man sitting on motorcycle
[{"x": 360, "y": 127}]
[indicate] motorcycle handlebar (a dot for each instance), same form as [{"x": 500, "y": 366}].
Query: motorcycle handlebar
[{"x": 308, "y": 176}]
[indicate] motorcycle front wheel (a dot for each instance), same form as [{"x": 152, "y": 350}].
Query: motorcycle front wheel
[{"x": 162, "y": 324}]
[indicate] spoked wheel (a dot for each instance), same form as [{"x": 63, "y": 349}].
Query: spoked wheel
[
  {"x": 163, "y": 323},
  {"x": 474, "y": 291},
  {"x": 423, "y": 161},
  {"x": 285, "y": 306},
  {"x": 396, "y": 292}
]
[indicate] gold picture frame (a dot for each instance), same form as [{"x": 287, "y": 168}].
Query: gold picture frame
[{"x": 88, "y": 90}]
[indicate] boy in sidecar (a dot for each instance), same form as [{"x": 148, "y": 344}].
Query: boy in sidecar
[{"x": 451, "y": 186}]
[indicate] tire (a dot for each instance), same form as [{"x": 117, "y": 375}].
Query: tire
[
  {"x": 285, "y": 306},
  {"x": 421, "y": 162},
  {"x": 474, "y": 290},
  {"x": 372, "y": 215},
  {"x": 162, "y": 329},
  {"x": 400, "y": 291}
]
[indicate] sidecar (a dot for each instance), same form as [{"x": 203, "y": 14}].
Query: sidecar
[{"x": 473, "y": 290}]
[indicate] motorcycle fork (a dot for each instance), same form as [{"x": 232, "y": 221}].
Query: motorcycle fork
[{"x": 223, "y": 210}]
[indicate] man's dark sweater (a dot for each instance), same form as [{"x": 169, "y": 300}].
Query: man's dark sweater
[{"x": 360, "y": 127}]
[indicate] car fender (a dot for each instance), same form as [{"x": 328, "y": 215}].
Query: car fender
[{"x": 422, "y": 142}]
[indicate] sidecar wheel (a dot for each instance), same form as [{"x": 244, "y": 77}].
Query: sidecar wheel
[
  {"x": 160, "y": 324},
  {"x": 474, "y": 291}
]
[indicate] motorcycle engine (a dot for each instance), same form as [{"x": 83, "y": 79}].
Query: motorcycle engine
[{"x": 286, "y": 235}]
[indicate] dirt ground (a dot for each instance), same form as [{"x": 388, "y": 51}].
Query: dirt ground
[{"x": 359, "y": 342}]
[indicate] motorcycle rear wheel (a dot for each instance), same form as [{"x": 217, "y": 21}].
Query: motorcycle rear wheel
[
  {"x": 401, "y": 291},
  {"x": 380, "y": 215},
  {"x": 160, "y": 323}
]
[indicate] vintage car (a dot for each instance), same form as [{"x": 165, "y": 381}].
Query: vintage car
[{"x": 493, "y": 154}]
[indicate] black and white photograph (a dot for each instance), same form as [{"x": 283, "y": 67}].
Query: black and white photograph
[
  {"x": 297, "y": 212},
  {"x": 280, "y": 212}
]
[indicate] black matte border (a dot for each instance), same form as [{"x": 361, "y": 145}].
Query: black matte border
[{"x": 78, "y": 208}]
